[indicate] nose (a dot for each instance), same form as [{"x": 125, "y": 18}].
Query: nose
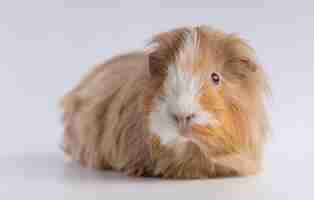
[{"x": 183, "y": 120}]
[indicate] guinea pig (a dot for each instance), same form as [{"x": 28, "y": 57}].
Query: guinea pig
[{"x": 189, "y": 105}]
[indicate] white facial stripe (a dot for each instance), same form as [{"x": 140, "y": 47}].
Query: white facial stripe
[{"x": 182, "y": 90}]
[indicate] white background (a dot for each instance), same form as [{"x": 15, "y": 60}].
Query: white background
[{"x": 45, "y": 47}]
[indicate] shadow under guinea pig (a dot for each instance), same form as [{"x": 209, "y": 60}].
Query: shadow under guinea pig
[{"x": 52, "y": 167}]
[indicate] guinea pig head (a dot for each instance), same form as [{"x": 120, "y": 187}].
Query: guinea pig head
[{"x": 205, "y": 88}]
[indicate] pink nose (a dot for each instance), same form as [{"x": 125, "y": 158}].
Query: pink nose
[{"x": 184, "y": 121}]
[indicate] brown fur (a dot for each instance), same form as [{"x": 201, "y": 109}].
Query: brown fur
[{"x": 105, "y": 116}]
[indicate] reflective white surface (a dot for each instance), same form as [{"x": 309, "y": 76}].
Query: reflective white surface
[{"x": 45, "y": 47}]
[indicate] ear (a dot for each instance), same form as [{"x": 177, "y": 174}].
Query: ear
[
  {"x": 239, "y": 58},
  {"x": 165, "y": 48},
  {"x": 157, "y": 64},
  {"x": 241, "y": 67}
]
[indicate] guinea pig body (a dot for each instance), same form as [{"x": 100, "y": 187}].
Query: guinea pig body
[{"x": 191, "y": 106}]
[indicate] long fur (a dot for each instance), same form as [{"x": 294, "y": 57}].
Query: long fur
[{"x": 106, "y": 117}]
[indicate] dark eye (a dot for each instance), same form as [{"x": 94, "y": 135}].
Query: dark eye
[{"x": 215, "y": 78}]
